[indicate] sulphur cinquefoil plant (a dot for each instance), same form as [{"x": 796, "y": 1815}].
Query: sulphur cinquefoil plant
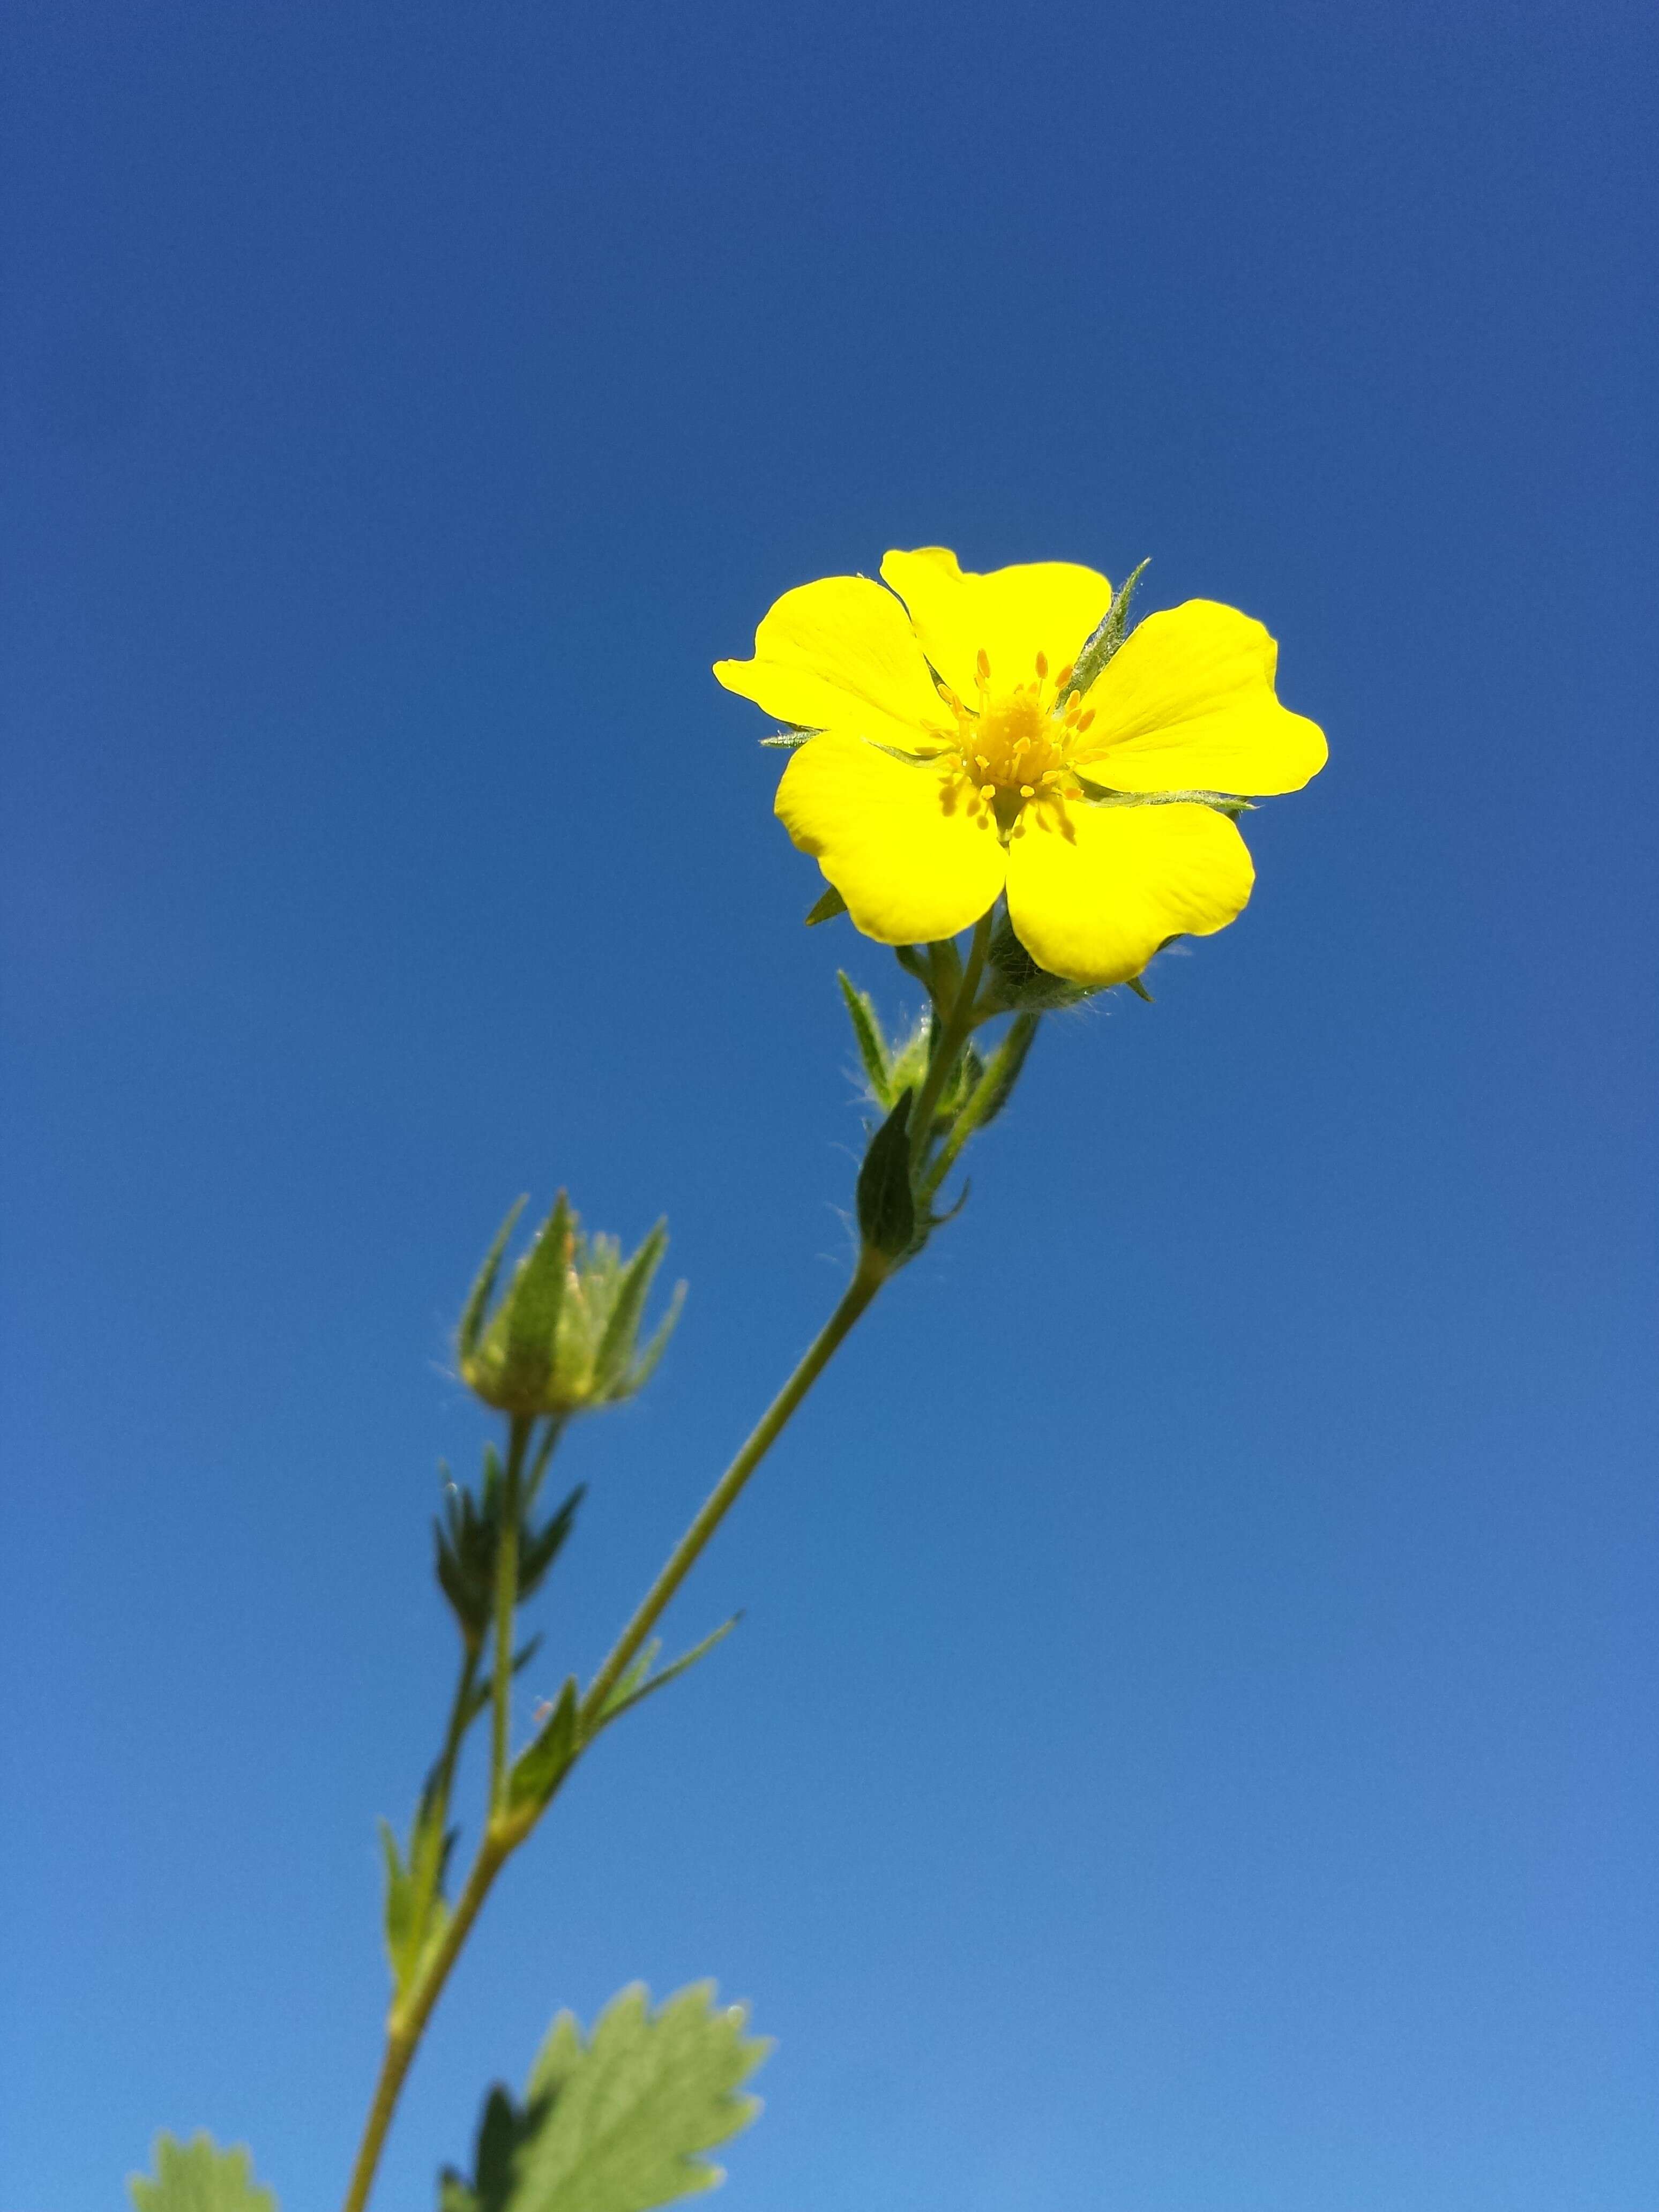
[{"x": 1024, "y": 796}]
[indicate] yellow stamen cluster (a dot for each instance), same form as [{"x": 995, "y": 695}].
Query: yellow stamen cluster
[{"x": 1015, "y": 745}]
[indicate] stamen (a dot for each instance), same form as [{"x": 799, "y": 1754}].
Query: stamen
[
  {"x": 987, "y": 791},
  {"x": 984, "y": 665},
  {"x": 1065, "y": 675},
  {"x": 1084, "y": 720},
  {"x": 1042, "y": 665},
  {"x": 1028, "y": 791}
]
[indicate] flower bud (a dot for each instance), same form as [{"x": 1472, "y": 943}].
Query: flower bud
[{"x": 564, "y": 1336}]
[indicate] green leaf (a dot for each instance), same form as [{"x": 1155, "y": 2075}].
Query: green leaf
[
  {"x": 198, "y": 2176},
  {"x": 826, "y": 907},
  {"x": 538, "y": 1773},
  {"x": 866, "y": 1029},
  {"x": 886, "y": 1201},
  {"x": 616, "y": 2124}
]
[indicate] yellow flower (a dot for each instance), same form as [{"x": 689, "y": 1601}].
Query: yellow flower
[{"x": 951, "y": 760}]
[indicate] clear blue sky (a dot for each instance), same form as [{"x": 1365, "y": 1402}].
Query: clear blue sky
[{"x": 1191, "y": 1743}]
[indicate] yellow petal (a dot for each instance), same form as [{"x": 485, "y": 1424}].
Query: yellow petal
[
  {"x": 1187, "y": 704},
  {"x": 1010, "y": 615},
  {"x": 896, "y": 841},
  {"x": 840, "y": 654},
  {"x": 1092, "y": 895}
]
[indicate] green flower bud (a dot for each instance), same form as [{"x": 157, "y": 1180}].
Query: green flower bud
[{"x": 564, "y": 1337}]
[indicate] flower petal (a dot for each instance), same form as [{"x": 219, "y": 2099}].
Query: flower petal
[
  {"x": 840, "y": 654},
  {"x": 1187, "y": 704},
  {"x": 1010, "y": 615},
  {"x": 1093, "y": 892},
  {"x": 896, "y": 841}
]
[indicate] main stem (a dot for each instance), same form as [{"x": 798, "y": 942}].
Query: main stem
[
  {"x": 407, "y": 2023},
  {"x": 404, "y": 2032}
]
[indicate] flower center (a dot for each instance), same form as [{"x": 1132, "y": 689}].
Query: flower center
[{"x": 1014, "y": 744}]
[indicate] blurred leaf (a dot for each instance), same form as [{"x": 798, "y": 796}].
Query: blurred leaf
[
  {"x": 637, "y": 1681},
  {"x": 537, "y": 1771},
  {"x": 198, "y": 2176},
  {"x": 415, "y": 1912},
  {"x": 616, "y": 2124}
]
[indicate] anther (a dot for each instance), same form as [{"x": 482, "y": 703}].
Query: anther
[
  {"x": 984, "y": 759},
  {"x": 984, "y": 665},
  {"x": 1028, "y": 791},
  {"x": 1065, "y": 675},
  {"x": 987, "y": 791},
  {"x": 1042, "y": 665},
  {"x": 1084, "y": 720}
]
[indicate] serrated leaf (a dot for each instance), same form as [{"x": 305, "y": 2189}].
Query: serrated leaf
[
  {"x": 198, "y": 2176},
  {"x": 625, "y": 2116}
]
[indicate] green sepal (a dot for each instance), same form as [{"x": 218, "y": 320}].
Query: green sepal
[
  {"x": 612, "y": 1361},
  {"x": 531, "y": 1310},
  {"x": 1222, "y": 802},
  {"x": 886, "y": 1199},
  {"x": 478, "y": 1302},
  {"x": 617, "y": 2122},
  {"x": 790, "y": 736},
  {"x": 636, "y": 1682},
  {"x": 1004, "y": 1071},
  {"x": 198, "y": 2176},
  {"x": 826, "y": 907},
  {"x": 1104, "y": 641},
  {"x": 866, "y": 1032},
  {"x": 1140, "y": 990},
  {"x": 537, "y": 1771},
  {"x": 1018, "y": 982}
]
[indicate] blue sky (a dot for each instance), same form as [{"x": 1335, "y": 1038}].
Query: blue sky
[{"x": 1190, "y": 1745}]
